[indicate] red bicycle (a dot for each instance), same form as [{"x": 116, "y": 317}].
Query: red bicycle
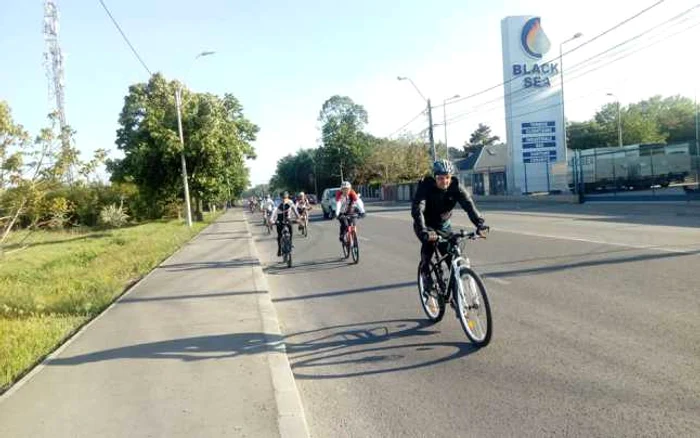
[{"x": 351, "y": 244}]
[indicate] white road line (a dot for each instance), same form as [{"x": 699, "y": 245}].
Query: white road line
[
  {"x": 560, "y": 237},
  {"x": 497, "y": 280},
  {"x": 364, "y": 239}
]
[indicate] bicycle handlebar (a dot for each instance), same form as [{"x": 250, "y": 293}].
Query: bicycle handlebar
[{"x": 474, "y": 235}]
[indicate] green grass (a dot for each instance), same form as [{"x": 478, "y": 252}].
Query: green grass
[{"x": 64, "y": 279}]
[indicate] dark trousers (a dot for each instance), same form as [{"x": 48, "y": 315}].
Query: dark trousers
[
  {"x": 427, "y": 250},
  {"x": 345, "y": 221},
  {"x": 280, "y": 226}
]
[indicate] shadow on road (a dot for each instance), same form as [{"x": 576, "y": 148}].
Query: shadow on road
[
  {"x": 346, "y": 292},
  {"x": 189, "y": 296},
  {"x": 234, "y": 263},
  {"x": 304, "y": 267},
  {"x": 587, "y": 264},
  {"x": 341, "y": 351}
]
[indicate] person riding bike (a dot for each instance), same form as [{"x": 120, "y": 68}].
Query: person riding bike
[
  {"x": 303, "y": 206},
  {"x": 432, "y": 207},
  {"x": 282, "y": 212},
  {"x": 267, "y": 206},
  {"x": 346, "y": 202}
]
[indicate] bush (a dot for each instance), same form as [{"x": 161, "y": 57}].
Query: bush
[{"x": 113, "y": 217}]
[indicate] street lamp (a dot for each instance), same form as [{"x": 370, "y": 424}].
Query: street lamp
[
  {"x": 183, "y": 163},
  {"x": 619, "y": 119},
  {"x": 430, "y": 114},
  {"x": 444, "y": 120},
  {"x": 561, "y": 80}
]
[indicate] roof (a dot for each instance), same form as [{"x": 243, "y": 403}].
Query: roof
[
  {"x": 493, "y": 156},
  {"x": 468, "y": 163}
]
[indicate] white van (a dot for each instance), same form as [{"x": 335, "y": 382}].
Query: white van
[{"x": 328, "y": 202}]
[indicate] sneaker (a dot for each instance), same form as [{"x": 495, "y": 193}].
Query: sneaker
[{"x": 279, "y": 253}]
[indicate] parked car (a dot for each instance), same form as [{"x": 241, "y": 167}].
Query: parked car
[{"x": 328, "y": 202}]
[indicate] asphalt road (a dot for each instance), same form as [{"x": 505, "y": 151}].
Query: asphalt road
[{"x": 596, "y": 329}]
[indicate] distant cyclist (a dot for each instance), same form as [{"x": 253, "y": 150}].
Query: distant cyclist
[
  {"x": 346, "y": 203},
  {"x": 282, "y": 212},
  {"x": 303, "y": 206}
]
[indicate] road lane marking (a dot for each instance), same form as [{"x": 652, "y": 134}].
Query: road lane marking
[
  {"x": 560, "y": 237},
  {"x": 497, "y": 280}
]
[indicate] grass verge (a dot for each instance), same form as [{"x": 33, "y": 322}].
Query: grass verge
[{"x": 62, "y": 280}]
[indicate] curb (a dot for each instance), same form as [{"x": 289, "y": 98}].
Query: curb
[
  {"x": 290, "y": 412},
  {"x": 80, "y": 330}
]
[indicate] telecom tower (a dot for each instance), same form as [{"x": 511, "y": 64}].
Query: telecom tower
[{"x": 53, "y": 63}]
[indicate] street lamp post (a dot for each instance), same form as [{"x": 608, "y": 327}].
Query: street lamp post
[
  {"x": 444, "y": 121},
  {"x": 561, "y": 80},
  {"x": 619, "y": 119},
  {"x": 430, "y": 114},
  {"x": 183, "y": 162}
]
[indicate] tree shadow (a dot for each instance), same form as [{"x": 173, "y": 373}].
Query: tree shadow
[
  {"x": 332, "y": 294},
  {"x": 303, "y": 267},
  {"x": 341, "y": 351},
  {"x": 192, "y": 266},
  {"x": 587, "y": 264},
  {"x": 90, "y": 236},
  {"x": 143, "y": 299}
]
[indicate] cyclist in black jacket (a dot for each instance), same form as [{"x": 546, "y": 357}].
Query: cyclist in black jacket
[{"x": 432, "y": 207}]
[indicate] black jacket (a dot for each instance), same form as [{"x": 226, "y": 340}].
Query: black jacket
[{"x": 432, "y": 207}]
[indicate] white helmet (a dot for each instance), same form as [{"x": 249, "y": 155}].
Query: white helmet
[{"x": 346, "y": 185}]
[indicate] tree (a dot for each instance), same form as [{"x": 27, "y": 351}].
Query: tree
[
  {"x": 344, "y": 143},
  {"x": 217, "y": 137},
  {"x": 653, "y": 120},
  {"x": 295, "y": 172},
  {"x": 394, "y": 161},
  {"x": 29, "y": 171},
  {"x": 481, "y": 137}
]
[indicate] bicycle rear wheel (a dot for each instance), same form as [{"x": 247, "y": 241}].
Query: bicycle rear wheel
[
  {"x": 355, "y": 248},
  {"x": 473, "y": 309},
  {"x": 432, "y": 301}
]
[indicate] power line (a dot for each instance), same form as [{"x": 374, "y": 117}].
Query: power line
[
  {"x": 406, "y": 124},
  {"x": 125, "y": 38},
  {"x": 486, "y": 90}
]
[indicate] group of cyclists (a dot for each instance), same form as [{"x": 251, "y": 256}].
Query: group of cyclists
[
  {"x": 434, "y": 200},
  {"x": 348, "y": 206}
]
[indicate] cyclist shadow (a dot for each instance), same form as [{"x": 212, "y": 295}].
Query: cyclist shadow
[
  {"x": 363, "y": 349},
  {"x": 280, "y": 268}
]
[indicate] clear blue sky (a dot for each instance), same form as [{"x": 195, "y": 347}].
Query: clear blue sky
[{"x": 283, "y": 59}]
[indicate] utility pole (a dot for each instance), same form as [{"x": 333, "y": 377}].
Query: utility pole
[
  {"x": 188, "y": 208},
  {"x": 430, "y": 114},
  {"x": 430, "y": 130}
]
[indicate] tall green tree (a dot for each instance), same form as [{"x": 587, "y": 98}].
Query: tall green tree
[
  {"x": 217, "y": 136},
  {"x": 345, "y": 145},
  {"x": 481, "y": 137}
]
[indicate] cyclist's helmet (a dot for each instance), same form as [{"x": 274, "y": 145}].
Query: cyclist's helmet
[
  {"x": 301, "y": 194},
  {"x": 345, "y": 185},
  {"x": 285, "y": 194},
  {"x": 443, "y": 167}
]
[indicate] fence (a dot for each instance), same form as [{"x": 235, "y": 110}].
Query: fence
[{"x": 640, "y": 171}]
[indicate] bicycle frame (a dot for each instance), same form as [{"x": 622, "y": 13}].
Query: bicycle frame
[{"x": 457, "y": 260}]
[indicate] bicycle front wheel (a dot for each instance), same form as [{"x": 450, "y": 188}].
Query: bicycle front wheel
[
  {"x": 346, "y": 248},
  {"x": 473, "y": 309},
  {"x": 355, "y": 248}
]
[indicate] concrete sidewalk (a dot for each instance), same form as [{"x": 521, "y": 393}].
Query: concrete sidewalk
[{"x": 194, "y": 349}]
